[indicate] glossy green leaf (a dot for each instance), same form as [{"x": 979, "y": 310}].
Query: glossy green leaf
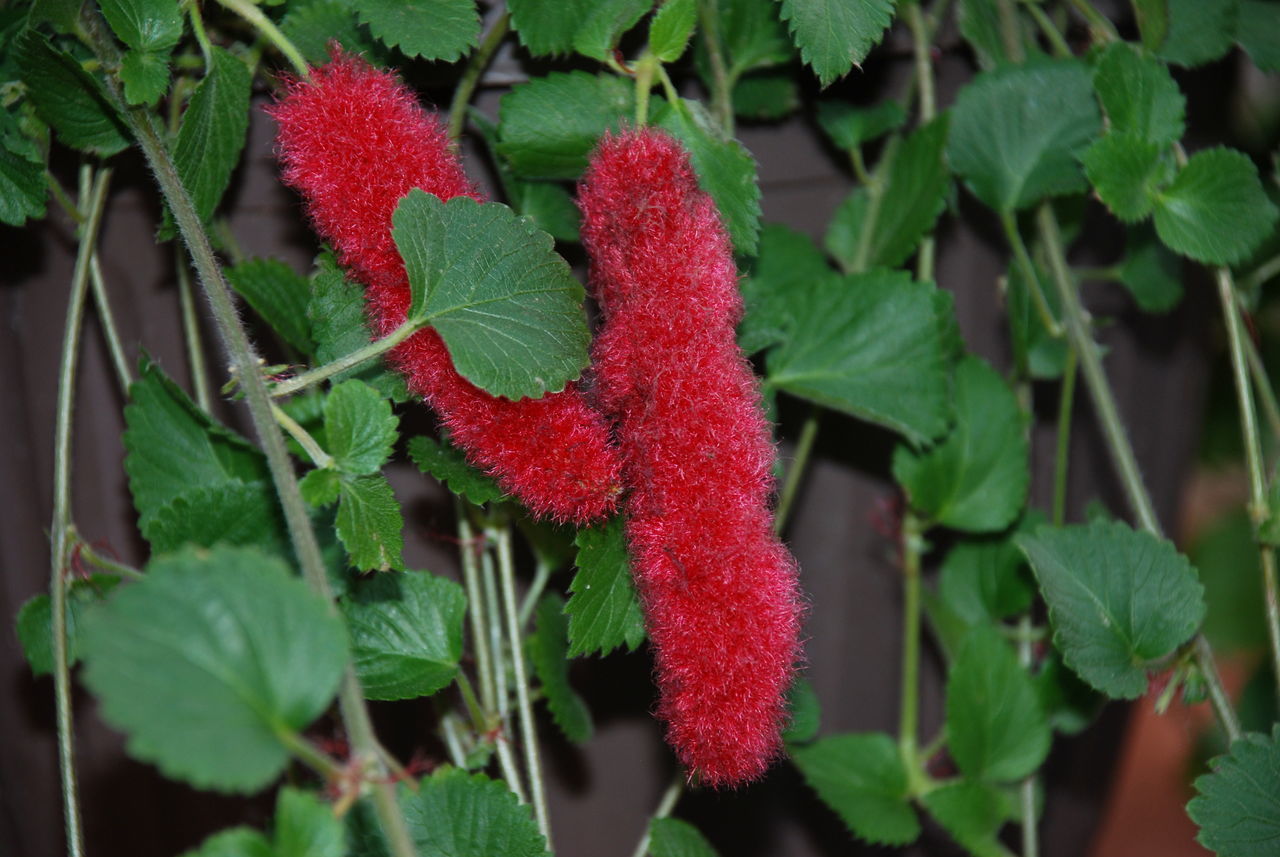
[
  {"x": 788, "y": 263},
  {"x": 996, "y": 729},
  {"x": 1120, "y": 600},
  {"x": 491, "y": 284},
  {"x": 835, "y": 35},
  {"x": 1199, "y": 32},
  {"x": 855, "y": 338},
  {"x": 22, "y": 188},
  {"x": 338, "y": 327},
  {"x": 861, "y": 777},
  {"x": 406, "y": 633},
  {"x": 671, "y": 837},
  {"x": 603, "y": 611},
  {"x": 35, "y": 621},
  {"x": 67, "y": 97},
  {"x": 1127, "y": 171},
  {"x": 448, "y": 464},
  {"x": 1237, "y": 805},
  {"x": 550, "y": 124},
  {"x": 590, "y": 27},
  {"x": 145, "y": 75},
  {"x": 1016, "y": 132},
  {"x": 369, "y": 523},
  {"x": 278, "y": 294},
  {"x": 985, "y": 579},
  {"x": 973, "y": 814},
  {"x": 849, "y": 126},
  {"x": 359, "y": 428},
  {"x": 671, "y": 28},
  {"x": 456, "y": 814},
  {"x": 312, "y": 26},
  {"x": 548, "y": 648},
  {"x": 144, "y": 25},
  {"x": 976, "y": 477},
  {"x": 1215, "y": 211},
  {"x": 225, "y": 644},
  {"x": 1139, "y": 95},
  {"x": 430, "y": 29}
]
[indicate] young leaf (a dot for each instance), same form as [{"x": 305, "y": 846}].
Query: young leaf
[
  {"x": 1127, "y": 171},
  {"x": 35, "y": 621},
  {"x": 849, "y": 127},
  {"x": 881, "y": 225},
  {"x": 277, "y": 294},
  {"x": 306, "y": 826},
  {"x": 602, "y": 24},
  {"x": 1069, "y": 704},
  {"x": 996, "y": 730},
  {"x": 406, "y": 633},
  {"x": 236, "y": 842},
  {"x": 803, "y": 712},
  {"x": 1237, "y": 805},
  {"x": 766, "y": 96},
  {"x": 1044, "y": 354},
  {"x": 1215, "y": 211},
  {"x": 1139, "y": 95},
  {"x": 548, "y": 648},
  {"x": 144, "y": 25},
  {"x": 1119, "y": 600},
  {"x": 469, "y": 815},
  {"x": 431, "y": 29},
  {"x": 980, "y": 26},
  {"x": 984, "y": 580},
  {"x": 1017, "y": 131},
  {"x": 446, "y": 463},
  {"x": 861, "y": 777},
  {"x": 725, "y": 169},
  {"x": 22, "y": 188},
  {"x": 973, "y": 814},
  {"x": 1199, "y": 32},
  {"x": 369, "y": 523},
  {"x": 671, "y": 837},
  {"x": 491, "y": 284},
  {"x": 1151, "y": 273},
  {"x": 788, "y": 262},
  {"x": 547, "y": 203},
  {"x": 835, "y": 35},
  {"x": 359, "y": 428},
  {"x": 336, "y": 315},
  {"x": 751, "y": 37},
  {"x": 229, "y": 512},
  {"x": 1153, "y": 21},
  {"x": 854, "y": 340},
  {"x": 1258, "y": 32},
  {"x": 671, "y": 28},
  {"x": 225, "y": 644},
  {"x": 603, "y": 611},
  {"x": 549, "y": 125},
  {"x": 313, "y": 26},
  {"x": 321, "y": 487},
  {"x": 976, "y": 478},
  {"x": 67, "y": 97},
  {"x": 145, "y": 75}
]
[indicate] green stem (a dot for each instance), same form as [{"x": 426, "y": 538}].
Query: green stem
[
  {"x": 909, "y": 710},
  {"x": 528, "y": 727},
  {"x": 1027, "y": 788},
  {"x": 1262, "y": 384},
  {"x": 1102, "y": 30},
  {"x": 668, "y": 88},
  {"x": 109, "y": 329},
  {"x": 97, "y": 560},
  {"x": 1066, "y": 404},
  {"x": 361, "y": 355},
  {"x": 646, "y": 67},
  {"x": 795, "y": 473},
  {"x": 476, "y": 66},
  {"x": 198, "y": 29},
  {"x": 1262, "y": 273},
  {"x": 1259, "y": 510},
  {"x": 923, "y": 64},
  {"x": 475, "y": 608},
  {"x": 859, "y": 165},
  {"x": 318, "y": 456},
  {"x": 666, "y": 804},
  {"x": 191, "y": 334},
  {"x": 309, "y": 754},
  {"x": 541, "y": 575},
  {"x": 1010, "y": 32},
  {"x": 1056, "y": 41},
  {"x": 479, "y": 720},
  {"x": 264, "y": 25},
  {"x": 721, "y": 82},
  {"x": 92, "y": 205},
  {"x": 875, "y": 197},
  {"x": 1010, "y": 224}
]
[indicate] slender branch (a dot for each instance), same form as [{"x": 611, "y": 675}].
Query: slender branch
[
  {"x": 1066, "y": 403},
  {"x": 264, "y": 25},
  {"x": 479, "y": 719},
  {"x": 318, "y": 456},
  {"x": 645, "y": 69},
  {"x": 541, "y": 574},
  {"x": 475, "y": 608},
  {"x": 191, "y": 334},
  {"x": 875, "y": 197},
  {"x": 197, "y": 27},
  {"x": 476, "y": 66},
  {"x": 1262, "y": 384},
  {"x": 721, "y": 81},
  {"x": 309, "y": 754},
  {"x": 1027, "y": 788},
  {"x": 1102, "y": 30},
  {"x": 1262, "y": 273},
  {"x": 361, "y": 355},
  {"x": 1029, "y": 276},
  {"x": 920, "y": 39},
  {"x": 92, "y": 205},
  {"x": 1056, "y": 41},
  {"x": 666, "y": 804},
  {"x": 795, "y": 473},
  {"x": 97, "y": 560},
  {"x": 909, "y": 711},
  {"x": 109, "y": 329},
  {"x": 1010, "y": 31}
]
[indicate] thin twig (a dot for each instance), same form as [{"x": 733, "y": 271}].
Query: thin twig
[
  {"x": 795, "y": 473},
  {"x": 665, "y": 805},
  {"x": 191, "y": 335},
  {"x": 361, "y": 355},
  {"x": 722, "y": 82},
  {"x": 112, "y": 333},
  {"x": 476, "y": 65}
]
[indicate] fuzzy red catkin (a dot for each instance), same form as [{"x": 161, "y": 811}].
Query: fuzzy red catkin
[
  {"x": 354, "y": 140},
  {"x": 720, "y": 592}
]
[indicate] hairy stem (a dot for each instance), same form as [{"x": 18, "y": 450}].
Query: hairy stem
[
  {"x": 795, "y": 473},
  {"x": 192, "y": 339},
  {"x": 666, "y": 804},
  {"x": 541, "y": 574},
  {"x": 309, "y": 754},
  {"x": 107, "y": 564},
  {"x": 264, "y": 25},
  {"x": 476, "y": 66},
  {"x": 721, "y": 82},
  {"x": 1264, "y": 389},
  {"x": 1101, "y": 30},
  {"x": 1027, "y": 788},
  {"x": 361, "y": 355},
  {"x": 1062, "y": 458},
  {"x": 920, "y": 39},
  {"x": 318, "y": 456},
  {"x": 909, "y": 710},
  {"x": 112, "y": 333},
  {"x": 1010, "y": 224},
  {"x": 475, "y": 608}
]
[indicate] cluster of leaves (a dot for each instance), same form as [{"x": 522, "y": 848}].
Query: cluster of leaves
[{"x": 219, "y": 635}]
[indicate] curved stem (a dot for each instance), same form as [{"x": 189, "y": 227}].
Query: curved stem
[
  {"x": 645, "y": 68},
  {"x": 1027, "y": 788},
  {"x": 1059, "y": 44},
  {"x": 264, "y": 25},
  {"x": 1270, "y": 406},
  {"x": 197, "y": 28},
  {"x": 721, "y": 82},
  {"x": 192, "y": 339},
  {"x": 310, "y": 755},
  {"x": 909, "y": 710},
  {"x": 1010, "y": 31},
  {"x": 318, "y": 456},
  {"x": 109, "y": 329},
  {"x": 1066, "y": 403},
  {"x": 666, "y": 804},
  {"x": 1102, "y": 30},
  {"x": 475, "y": 608},
  {"x": 361, "y": 355},
  {"x": 795, "y": 473},
  {"x": 97, "y": 560},
  {"x": 476, "y": 66},
  {"x": 541, "y": 575},
  {"x": 92, "y": 205},
  {"x": 1010, "y": 224}
]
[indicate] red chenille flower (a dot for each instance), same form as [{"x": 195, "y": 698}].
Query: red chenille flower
[
  {"x": 353, "y": 141},
  {"x": 720, "y": 593}
]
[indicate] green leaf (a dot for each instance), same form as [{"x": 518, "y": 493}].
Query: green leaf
[
  {"x": 313, "y": 26},
  {"x": 803, "y": 712},
  {"x": 431, "y": 29},
  {"x": 1199, "y": 32},
  {"x": 1153, "y": 21},
  {"x": 1151, "y": 273},
  {"x": 369, "y": 523},
  {"x": 236, "y": 842},
  {"x": 1258, "y": 32},
  {"x": 788, "y": 263},
  {"x": 972, "y": 813},
  {"x": 213, "y": 130},
  {"x": 506, "y": 305},
  {"x": 603, "y": 22},
  {"x": 1120, "y": 600},
  {"x": 590, "y": 27},
  {"x": 1127, "y": 172},
  {"x": 144, "y": 25},
  {"x": 1227, "y": 557},
  {"x": 881, "y": 225},
  {"x": 766, "y": 96},
  {"x": 1069, "y": 704},
  {"x": 549, "y": 206},
  {"x": 751, "y": 37},
  {"x": 359, "y": 428},
  {"x": 975, "y": 478},
  {"x": 172, "y": 446},
  {"x": 671, "y": 28},
  {"x": 549, "y": 125},
  {"x": 603, "y": 611},
  {"x": 835, "y": 35},
  {"x": 996, "y": 730},
  {"x": 338, "y": 327},
  {"x": 1017, "y": 131},
  {"x": 145, "y": 75},
  {"x": 1237, "y": 805},
  {"x": 306, "y": 826},
  {"x": 855, "y": 338},
  {"x": 228, "y": 512},
  {"x": 22, "y": 188},
  {"x": 278, "y": 294},
  {"x": 849, "y": 127},
  {"x": 225, "y": 644},
  {"x": 861, "y": 777},
  {"x": 548, "y": 648},
  {"x": 984, "y": 580},
  {"x": 35, "y": 621},
  {"x": 1044, "y": 354},
  {"x": 1139, "y": 95},
  {"x": 726, "y": 170},
  {"x": 456, "y": 814},
  {"x": 671, "y": 837},
  {"x": 406, "y": 633},
  {"x": 980, "y": 26},
  {"x": 68, "y": 98},
  {"x": 1215, "y": 211},
  {"x": 321, "y": 487},
  {"x": 446, "y": 463}
]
